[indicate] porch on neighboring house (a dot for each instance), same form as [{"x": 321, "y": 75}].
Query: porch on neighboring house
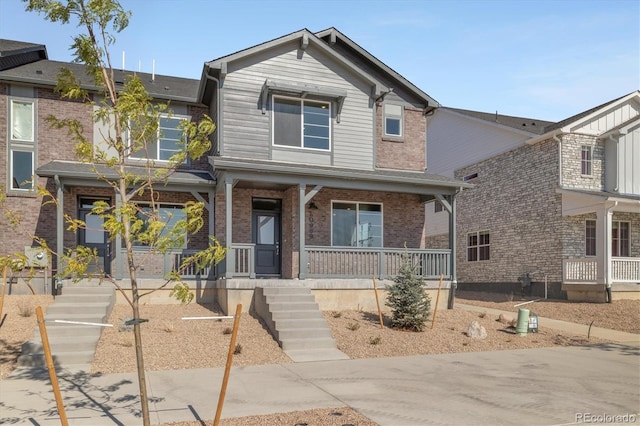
[{"x": 611, "y": 244}]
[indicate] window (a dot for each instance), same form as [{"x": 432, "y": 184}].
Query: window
[
  {"x": 393, "y": 120},
  {"x": 168, "y": 140},
  {"x": 470, "y": 177},
  {"x": 478, "y": 246},
  {"x": 169, "y": 214},
  {"x": 21, "y": 145},
  {"x": 301, "y": 123},
  {"x": 437, "y": 206},
  {"x": 356, "y": 224},
  {"x": 586, "y": 161},
  {"x": 590, "y": 238},
  {"x": 620, "y": 238}
]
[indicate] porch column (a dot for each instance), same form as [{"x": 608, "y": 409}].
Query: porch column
[
  {"x": 603, "y": 248},
  {"x": 302, "y": 257},
  {"x": 230, "y": 259},
  {"x": 117, "y": 250},
  {"x": 59, "y": 225},
  {"x": 452, "y": 247}
]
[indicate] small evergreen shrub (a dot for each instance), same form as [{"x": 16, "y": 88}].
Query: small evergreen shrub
[{"x": 410, "y": 304}]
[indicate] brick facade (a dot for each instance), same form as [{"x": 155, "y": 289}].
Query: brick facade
[{"x": 408, "y": 152}]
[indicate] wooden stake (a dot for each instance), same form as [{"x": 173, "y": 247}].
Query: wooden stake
[
  {"x": 232, "y": 347},
  {"x": 4, "y": 282},
  {"x": 435, "y": 310},
  {"x": 375, "y": 289},
  {"x": 51, "y": 367}
]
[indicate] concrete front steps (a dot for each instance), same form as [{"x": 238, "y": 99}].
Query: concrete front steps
[
  {"x": 294, "y": 319},
  {"x": 72, "y": 345}
]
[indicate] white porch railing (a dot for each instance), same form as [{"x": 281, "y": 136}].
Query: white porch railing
[
  {"x": 332, "y": 262},
  {"x": 623, "y": 269}
]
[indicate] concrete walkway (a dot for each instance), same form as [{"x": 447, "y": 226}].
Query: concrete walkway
[{"x": 548, "y": 386}]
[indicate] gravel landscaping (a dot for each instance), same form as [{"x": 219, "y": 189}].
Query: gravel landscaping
[{"x": 173, "y": 343}]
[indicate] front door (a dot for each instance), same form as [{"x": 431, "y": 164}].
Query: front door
[
  {"x": 266, "y": 237},
  {"x": 94, "y": 237}
]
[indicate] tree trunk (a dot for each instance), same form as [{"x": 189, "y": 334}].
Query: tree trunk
[{"x": 142, "y": 381}]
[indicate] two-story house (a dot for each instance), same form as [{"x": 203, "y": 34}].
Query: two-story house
[
  {"x": 316, "y": 176},
  {"x": 556, "y": 203}
]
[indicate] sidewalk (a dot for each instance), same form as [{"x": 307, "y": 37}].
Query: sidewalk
[{"x": 547, "y": 386}]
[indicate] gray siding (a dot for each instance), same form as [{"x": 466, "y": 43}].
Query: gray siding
[
  {"x": 628, "y": 162},
  {"x": 247, "y": 131}
]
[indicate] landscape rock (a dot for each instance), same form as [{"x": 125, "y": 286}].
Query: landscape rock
[
  {"x": 505, "y": 319},
  {"x": 476, "y": 331}
]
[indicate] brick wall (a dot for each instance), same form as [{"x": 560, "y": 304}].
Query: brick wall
[{"x": 408, "y": 152}]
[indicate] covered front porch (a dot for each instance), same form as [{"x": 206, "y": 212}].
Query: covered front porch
[{"x": 610, "y": 243}]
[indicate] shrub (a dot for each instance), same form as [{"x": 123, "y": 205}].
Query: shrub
[
  {"x": 407, "y": 299},
  {"x": 25, "y": 308},
  {"x": 227, "y": 330},
  {"x": 375, "y": 340},
  {"x": 238, "y": 349},
  {"x": 353, "y": 326}
]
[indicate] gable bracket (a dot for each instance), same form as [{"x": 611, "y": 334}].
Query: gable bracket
[{"x": 305, "y": 42}]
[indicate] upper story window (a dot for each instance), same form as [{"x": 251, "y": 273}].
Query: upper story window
[
  {"x": 167, "y": 142},
  {"x": 356, "y": 224},
  {"x": 22, "y": 146},
  {"x": 478, "y": 247},
  {"x": 590, "y": 238},
  {"x": 437, "y": 206},
  {"x": 586, "y": 161},
  {"x": 301, "y": 123},
  {"x": 620, "y": 238},
  {"x": 393, "y": 120}
]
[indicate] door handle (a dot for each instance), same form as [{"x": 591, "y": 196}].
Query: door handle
[{"x": 277, "y": 248}]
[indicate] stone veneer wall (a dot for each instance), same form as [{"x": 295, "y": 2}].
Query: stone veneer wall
[
  {"x": 516, "y": 201},
  {"x": 572, "y": 176}
]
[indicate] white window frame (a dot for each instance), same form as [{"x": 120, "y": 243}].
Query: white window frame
[
  {"x": 393, "y": 116},
  {"x": 358, "y": 203},
  {"x": 586, "y": 162},
  {"x": 159, "y": 136},
  {"x": 618, "y": 240},
  {"x": 23, "y": 145},
  {"x": 159, "y": 206},
  {"x": 302, "y": 102},
  {"x": 478, "y": 246}
]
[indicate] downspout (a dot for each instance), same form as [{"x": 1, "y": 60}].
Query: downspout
[
  {"x": 218, "y": 122},
  {"x": 59, "y": 230}
]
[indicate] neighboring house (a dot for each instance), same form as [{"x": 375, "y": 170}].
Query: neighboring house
[
  {"x": 317, "y": 170},
  {"x": 554, "y": 202}
]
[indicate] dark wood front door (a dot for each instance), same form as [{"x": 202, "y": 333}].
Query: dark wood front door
[
  {"x": 94, "y": 237},
  {"x": 266, "y": 237}
]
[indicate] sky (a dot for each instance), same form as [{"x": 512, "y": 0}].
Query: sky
[{"x": 538, "y": 59}]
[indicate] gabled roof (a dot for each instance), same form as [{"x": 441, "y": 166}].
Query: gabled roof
[
  {"x": 567, "y": 124},
  {"x": 15, "y": 53},
  {"x": 332, "y": 35},
  {"x": 45, "y": 73},
  {"x": 530, "y": 125},
  {"x": 319, "y": 40}
]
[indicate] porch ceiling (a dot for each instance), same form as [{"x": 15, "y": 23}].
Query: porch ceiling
[
  {"x": 576, "y": 202},
  {"x": 75, "y": 173},
  {"x": 251, "y": 172}
]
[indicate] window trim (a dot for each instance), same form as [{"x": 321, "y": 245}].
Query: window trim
[
  {"x": 21, "y": 145},
  {"x": 587, "y": 238},
  {"x": 181, "y": 117},
  {"x": 302, "y": 101},
  {"x": 586, "y": 162},
  {"x": 478, "y": 245},
  {"x": 357, "y": 203},
  {"x": 400, "y": 118},
  {"x": 160, "y": 205},
  {"x": 620, "y": 240}
]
